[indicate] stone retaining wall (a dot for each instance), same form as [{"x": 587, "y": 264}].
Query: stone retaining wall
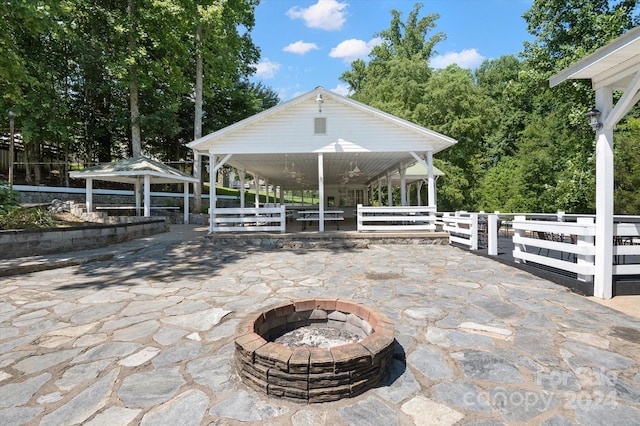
[
  {"x": 34, "y": 242},
  {"x": 314, "y": 374}
]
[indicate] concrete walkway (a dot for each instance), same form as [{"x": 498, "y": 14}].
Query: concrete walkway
[{"x": 142, "y": 333}]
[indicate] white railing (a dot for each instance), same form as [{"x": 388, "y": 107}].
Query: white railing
[
  {"x": 573, "y": 244},
  {"x": 396, "y": 218},
  {"x": 265, "y": 219},
  {"x": 65, "y": 190},
  {"x": 626, "y": 249},
  {"x": 462, "y": 228}
]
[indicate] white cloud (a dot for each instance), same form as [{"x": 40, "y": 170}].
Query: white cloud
[
  {"x": 326, "y": 15},
  {"x": 267, "y": 69},
  {"x": 341, "y": 89},
  {"x": 300, "y": 47},
  {"x": 352, "y": 49},
  {"x": 469, "y": 58}
]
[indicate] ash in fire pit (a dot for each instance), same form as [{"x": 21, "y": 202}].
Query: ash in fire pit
[
  {"x": 314, "y": 350},
  {"x": 317, "y": 337}
]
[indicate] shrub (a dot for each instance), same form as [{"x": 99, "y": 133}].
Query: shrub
[
  {"x": 8, "y": 197},
  {"x": 26, "y": 218}
]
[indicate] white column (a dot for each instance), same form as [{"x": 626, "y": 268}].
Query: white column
[
  {"x": 213, "y": 172},
  {"x": 431, "y": 185},
  {"x": 147, "y": 196},
  {"x": 186, "y": 203},
  {"x": 603, "y": 279},
  {"x": 389, "y": 191},
  {"x": 256, "y": 199},
  {"x": 379, "y": 192},
  {"x": 137, "y": 191},
  {"x": 403, "y": 185},
  {"x": 89, "y": 194},
  {"x": 321, "y": 191},
  {"x": 243, "y": 176},
  {"x": 267, "y": 202},
  {"x": 197, "y": 186},
  {"x": 419, "y": 189}
]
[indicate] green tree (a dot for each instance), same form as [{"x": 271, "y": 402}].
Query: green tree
[
  {"x": 627, "y": 168},
  {"x": 395, "y": 77}
]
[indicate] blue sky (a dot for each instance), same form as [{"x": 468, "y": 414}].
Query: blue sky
[{"x": 309, "y": 43}]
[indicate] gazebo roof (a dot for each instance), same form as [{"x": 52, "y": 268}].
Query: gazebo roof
[{"x": 131, "y": 169}]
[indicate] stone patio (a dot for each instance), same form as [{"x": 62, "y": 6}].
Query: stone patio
[{"x": 143, "y": 334}]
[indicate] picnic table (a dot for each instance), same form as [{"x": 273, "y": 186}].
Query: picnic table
[{"x": 309, "y": 216}]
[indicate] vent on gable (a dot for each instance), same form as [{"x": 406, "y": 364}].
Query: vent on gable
[{"x": 320, "y": 126}]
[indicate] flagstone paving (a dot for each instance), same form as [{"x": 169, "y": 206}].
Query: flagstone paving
[{"x": 145, "y": 336}]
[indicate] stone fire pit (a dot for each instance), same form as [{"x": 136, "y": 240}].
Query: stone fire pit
[{"x": 314, "y": 374}]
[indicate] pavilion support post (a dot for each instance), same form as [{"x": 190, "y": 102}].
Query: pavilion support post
[
  {"x": 379, "y": 192},
  {"x": 603, "y": 278},
  {"x": 266, "y": 189},
  {"x": 431, "y": 182},
  {"x": 321, "y": 192},
  {"x": 389, "y": 191},
  {"x": 419, "y": 189},
  {"x": 243, "y": 176},
  {"x": 147, "y": 196},
  {"x": 89, "y": 194},
  {"x": 403, "y": 185},
  {"x": 185, "y": 215},
  {"x": 256, "y": 198}
]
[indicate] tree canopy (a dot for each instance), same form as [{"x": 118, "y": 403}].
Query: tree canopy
[
  {"x": 98, "y": 80},
  {"x": 521, "y": 145}
]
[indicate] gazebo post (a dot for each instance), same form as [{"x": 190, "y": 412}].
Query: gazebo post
[
  {"x": 136, "y": 195},
  {"x": 186, "y": 203},
  {"x": 89, "y": 194},
  {"x": 213, "y": 171},
  {"x": 147, "y": 196}
]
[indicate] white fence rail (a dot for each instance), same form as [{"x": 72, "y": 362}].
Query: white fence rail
[
  {"x": 396, "y": 218},
  {"x": 559, "y": 241},
  {"x": 266, "y": 219},
  {"x": 462, "y": 228},
  {"x": 626, "y": 249},
  {"x": 573, "y": 244}
]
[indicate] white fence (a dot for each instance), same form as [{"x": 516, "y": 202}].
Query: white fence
[
  {"x": 396, "y": 218},
  {"x": 265, "y": 219},
  {"x": 462, "y": 228},
  {"x": 573, "y": 244}
]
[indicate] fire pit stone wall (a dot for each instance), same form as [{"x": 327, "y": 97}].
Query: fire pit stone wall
[{"x": 314, "y": 374}]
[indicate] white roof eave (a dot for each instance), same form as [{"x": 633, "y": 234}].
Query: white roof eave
[{"x": 623, "y": 52}]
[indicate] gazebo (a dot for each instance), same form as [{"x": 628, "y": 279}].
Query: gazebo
[
  {"x": 612, "y": 68},
  {"x": 326, "y": 142},
  {"x": 141, "y": 172}
]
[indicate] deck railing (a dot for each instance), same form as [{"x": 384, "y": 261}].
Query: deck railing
[
  {"x": 396, "y": 218},
  {"x": 265, "y": 219},
  {"x": 560, "y": 241},
  {"x": 462, "y": 228}
]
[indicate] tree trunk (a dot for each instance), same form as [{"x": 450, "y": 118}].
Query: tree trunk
[
  {"x": 197, "y": 124},
  {"x": 136, "y": 142}
]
